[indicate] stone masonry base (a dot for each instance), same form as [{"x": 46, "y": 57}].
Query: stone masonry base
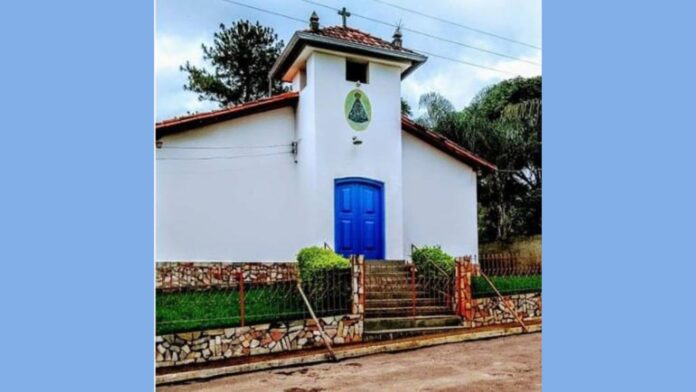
[
  {"x": 491, "y": 310},
  {"x": 210, "y": 345}
]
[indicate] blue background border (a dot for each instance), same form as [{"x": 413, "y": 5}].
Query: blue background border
[
  {"x": 76, "y": 282},
  {"x": 618, "y": 196},
  {"x": 77, "y": 196}
]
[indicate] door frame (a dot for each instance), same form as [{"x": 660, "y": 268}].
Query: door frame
[{"x": 367, "y": 181}]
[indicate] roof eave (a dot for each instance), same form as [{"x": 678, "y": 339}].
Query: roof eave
[
  {"x": 412, "y": 68},
  {"x": 282, "y": 59}
]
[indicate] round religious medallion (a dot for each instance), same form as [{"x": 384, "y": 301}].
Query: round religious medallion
[{"x": 358, "y": 110}]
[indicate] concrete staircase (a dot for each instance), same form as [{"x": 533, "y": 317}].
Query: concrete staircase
[{"x": 389, "y": 311}]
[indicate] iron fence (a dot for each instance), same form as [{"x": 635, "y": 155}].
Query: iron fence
[
  {"x": 234, "y": 302},
  {"x": 507, "y": 264},
  {"x": 438, "y": 291},
  {"x": 438, "y": 284},
  {"x": 510, "y": 273},
  {"x": 404, "y": 290}
]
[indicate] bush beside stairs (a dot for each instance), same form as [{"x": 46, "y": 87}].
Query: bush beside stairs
[{"x": 389, "y": 304}]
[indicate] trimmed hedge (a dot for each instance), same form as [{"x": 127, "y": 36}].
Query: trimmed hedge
[
  {"x": 506, "y": 285},
  {"x": 433, "y": 261},
  {"x": 314, "y": 259}
]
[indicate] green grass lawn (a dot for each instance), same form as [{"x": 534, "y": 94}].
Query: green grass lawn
[
  {"x": 505, "y": 285},
  {"x": 196, "y": 310},
  {"x": 215, "y": 308}
]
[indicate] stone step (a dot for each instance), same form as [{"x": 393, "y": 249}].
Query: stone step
[
  {"x": 388, "y": 274},
  {"x": 401, "y": 302},
  {"x": 390, "y": 334},
  {"x": 394, "y": 280},
  {"x": 389, "y": 264},
  {"x": 371, "y": 262},
  {"x": 385, "y": 266},
  {"x": 394, "y": 294},
  {"x": 390, "y": 323},
  {"x": 406, "y": 311},
  {"x": 392, "y": 285}
]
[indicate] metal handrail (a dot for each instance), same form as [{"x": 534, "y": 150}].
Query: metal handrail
[{"x": 327, "y": 339}]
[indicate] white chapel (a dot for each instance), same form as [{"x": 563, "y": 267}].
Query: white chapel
[{"x": 331, "y": 162}]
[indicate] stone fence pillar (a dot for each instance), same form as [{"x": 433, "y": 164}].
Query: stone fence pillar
[
  {"x": 465, "y": 269},
  {"x": 357, "y": 266}
]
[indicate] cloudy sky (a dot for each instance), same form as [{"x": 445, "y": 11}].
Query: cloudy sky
[{"x": 182, "y": 25}]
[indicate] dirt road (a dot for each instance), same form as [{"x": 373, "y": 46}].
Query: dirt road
[{"x": 502, "y": 364}]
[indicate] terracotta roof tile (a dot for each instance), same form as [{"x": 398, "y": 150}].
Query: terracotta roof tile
[
  {"x": 346, "y": 40},
  {"x": 445, "y": 145},
  {"x": 354, "y": 35},
  {"x": 180, "y": 124}
]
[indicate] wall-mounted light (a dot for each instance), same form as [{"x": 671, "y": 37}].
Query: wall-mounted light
[
  {"x": 356, "y": 141},
  {"x": 159, "y": 143}
]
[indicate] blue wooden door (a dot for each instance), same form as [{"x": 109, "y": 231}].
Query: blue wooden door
[{"x": 359, "y": 220}]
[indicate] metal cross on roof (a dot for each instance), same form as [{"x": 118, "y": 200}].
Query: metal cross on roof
[{"x": 344, "y": 14}]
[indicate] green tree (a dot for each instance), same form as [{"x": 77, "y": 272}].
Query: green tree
[
  {"x": 239, "y": 61},
  {"x": 405, "y": 108},
  {"x": 502, "y": 124},
  {"x": 439, "y": 111}
]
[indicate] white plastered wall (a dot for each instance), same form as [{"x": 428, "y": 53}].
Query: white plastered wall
[
  {"x": 439, "y": 200},
  {"x": 239, "y": 209},
  {"x": 379, "y": 155}
]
